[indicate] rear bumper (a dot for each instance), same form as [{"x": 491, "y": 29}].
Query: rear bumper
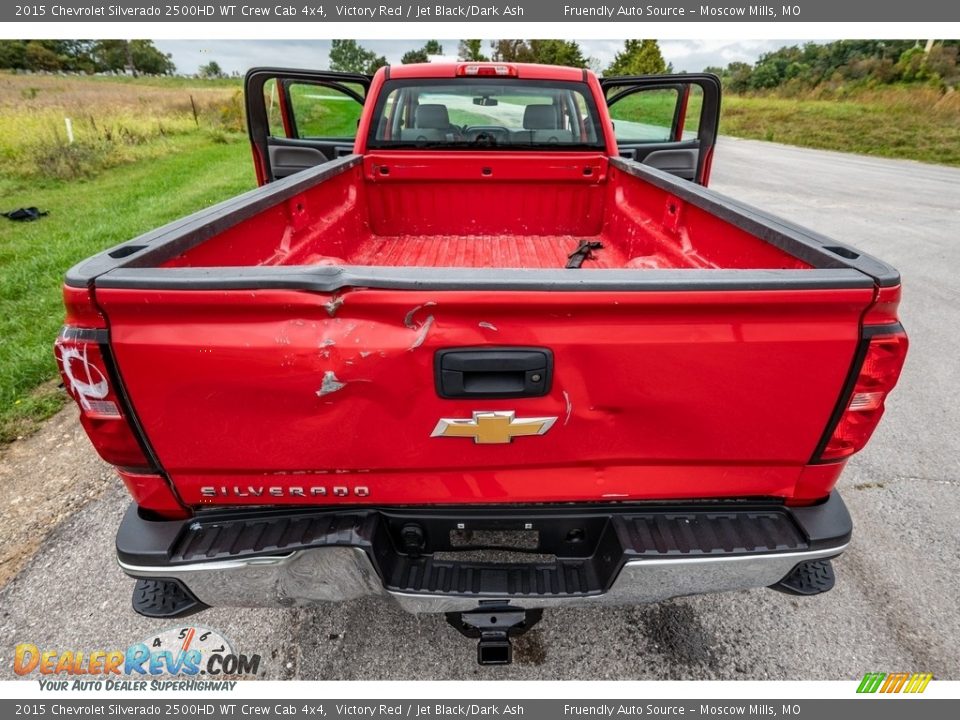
[{"x": 618, "y": 556}]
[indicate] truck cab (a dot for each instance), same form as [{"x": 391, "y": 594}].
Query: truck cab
[{"x": 299, "y": 119}]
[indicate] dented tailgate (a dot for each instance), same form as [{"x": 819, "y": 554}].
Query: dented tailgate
[{"x": 286, "y": 396}]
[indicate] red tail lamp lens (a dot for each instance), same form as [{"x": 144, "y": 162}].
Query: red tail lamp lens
[
  {"x": 87, "y": 380},
  {"x": 877, "y": 377}
]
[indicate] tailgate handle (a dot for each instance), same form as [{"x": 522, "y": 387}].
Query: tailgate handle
[{"x": 493, "y": 372}]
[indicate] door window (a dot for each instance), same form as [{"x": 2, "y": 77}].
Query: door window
[
  {"x": 654, "y": 114},
  {"x": 312, "y": 111}
]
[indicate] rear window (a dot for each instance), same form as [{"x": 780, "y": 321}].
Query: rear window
[{"x": 485, "y": 113}]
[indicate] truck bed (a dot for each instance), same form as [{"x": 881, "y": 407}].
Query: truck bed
[
  {"x": 349, "y": 223},
  {"x": 446, "y": 214},
  {"x": 519, "y": 251}
]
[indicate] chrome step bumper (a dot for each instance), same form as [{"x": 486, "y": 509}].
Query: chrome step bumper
[{"x": 623, "y": 556}]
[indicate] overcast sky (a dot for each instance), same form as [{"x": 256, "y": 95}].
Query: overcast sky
[{"x": 239, "y": 55}]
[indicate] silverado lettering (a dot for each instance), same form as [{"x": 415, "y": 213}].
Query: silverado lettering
[
  {"x": 489, "y": 318},
  {"x": 281, "y": 491}
]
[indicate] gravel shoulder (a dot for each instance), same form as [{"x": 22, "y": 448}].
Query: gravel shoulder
[{"x": 45, "y": 478}]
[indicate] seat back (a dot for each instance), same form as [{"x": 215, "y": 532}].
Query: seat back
[
  {"x": 433, "y": 117},
  {"x": 541, "y": 125},
  {"x": 540, "y": 117},
  {"x": 431, "y": 123}
]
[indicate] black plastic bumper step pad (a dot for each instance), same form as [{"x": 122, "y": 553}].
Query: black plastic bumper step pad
[
  {"x": 270, "y": 535},
  {"x": 563, "y": 577},
  {"x": 710, "y": 533},
  {"x": 811, "y": 577},
  {"x": 155, "y": 598}
]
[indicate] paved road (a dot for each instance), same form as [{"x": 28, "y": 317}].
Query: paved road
[{"x": 894, "y": 607}]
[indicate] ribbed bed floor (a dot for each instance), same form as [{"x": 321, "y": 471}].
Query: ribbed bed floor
[{"x": 516, "y": 251}]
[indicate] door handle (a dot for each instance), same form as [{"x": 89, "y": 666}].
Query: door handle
[{"x": 502, "y": 372}]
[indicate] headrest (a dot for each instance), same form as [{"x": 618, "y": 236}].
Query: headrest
[
  {"x": 540, "y": 117},
  {"x": 434, "y": 117}
]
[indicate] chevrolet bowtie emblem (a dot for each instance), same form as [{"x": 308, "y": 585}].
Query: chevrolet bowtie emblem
[{"x": 488, "y": 428}]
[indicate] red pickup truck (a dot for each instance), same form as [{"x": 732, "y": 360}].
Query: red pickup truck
[{"x": 483, "y": 342}]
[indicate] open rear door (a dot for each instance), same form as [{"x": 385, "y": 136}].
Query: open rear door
[
  {"x": 301, "y": 118},
  {"x": 666, "y": 121}
]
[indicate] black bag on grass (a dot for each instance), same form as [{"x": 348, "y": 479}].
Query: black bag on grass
[{"x": 25, "y": 214}]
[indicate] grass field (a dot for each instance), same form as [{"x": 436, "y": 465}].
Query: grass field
[
  {"x": 123, "y": 188},
  {"x": 915, "y": 123},
  {"x": 114, "y": 122}
]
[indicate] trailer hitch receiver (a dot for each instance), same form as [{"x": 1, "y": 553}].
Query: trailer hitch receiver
[{"x": 493, "y": 625}]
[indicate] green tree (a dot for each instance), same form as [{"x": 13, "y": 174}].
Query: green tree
[
  {"x": 134, "y": 55},
  {"x": 414, "y": 56},
  {"x": 149, "y": 60},
  {"x": 471, "y": 50},
  {"x": 557, "y": 52},
  {"x": 13, "y": 54},
  {"x": 547, "y": 52},
  {"x": 511, "y": 51},
  {"x": 738, "y": 75},
  {"x": 37, "y": 56},
  {"x": 110, "y": 55},
  {"x": 85, "y": 56},
  {"x": 210, "y": 70},
  {"x": 766, "y": 75},
  {"x": 941, "y": 62},
  {"x": 350, "y": 56},
  {"x": 376, "y": 64},
  {"x": 422, "y": 55},
  {"x": 638, "y": 57},
  {"x": 71, "y": 55}
]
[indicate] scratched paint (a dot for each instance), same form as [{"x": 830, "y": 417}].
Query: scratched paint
[
  {"x": 333, "y": 305},
  {"x": 566, "y": 399},
  {"x": 330, "y": 384},
  {"x": 422, "y": 335},
  {"x": 410, "y": 319}
]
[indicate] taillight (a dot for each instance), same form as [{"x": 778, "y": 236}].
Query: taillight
[
  {"x": 882, "y": 359},
  {"x": 87, "y": 379}
]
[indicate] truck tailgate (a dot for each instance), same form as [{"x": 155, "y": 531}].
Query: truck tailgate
[{"x": 286, "y": 396}]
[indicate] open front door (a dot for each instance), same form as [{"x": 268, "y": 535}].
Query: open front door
[
  {"x": 666, "y": 121},
  {"x": 301, "y": 118}
]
